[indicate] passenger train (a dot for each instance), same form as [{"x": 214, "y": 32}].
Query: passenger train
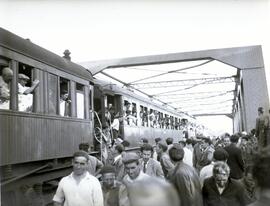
[{"x": 40, "y": 131}]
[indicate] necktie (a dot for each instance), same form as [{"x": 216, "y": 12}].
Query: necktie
[{"x": 144, "y": 167}]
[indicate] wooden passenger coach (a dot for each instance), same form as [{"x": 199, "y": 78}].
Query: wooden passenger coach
[{"x": 43, "y": 133}]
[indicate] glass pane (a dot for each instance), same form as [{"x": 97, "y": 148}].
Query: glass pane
[
  {"x": 80, "y": 101},
  {"x": 52, "y": 89}
]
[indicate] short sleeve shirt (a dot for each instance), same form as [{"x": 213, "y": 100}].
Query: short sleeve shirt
[{"x": 87, "y": 192}]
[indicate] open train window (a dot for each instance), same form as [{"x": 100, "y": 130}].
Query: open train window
[
  {"x": 161, "y": 120},
  {"x": 145, "y": 116},
  {"x": 26, "y": 87},
  {"x": 134, "y": 114},
  {"x": 171, "y": 122},
  {"x": 152, "y": 117},
  {"x": 65, "y": 100},
  {"x": 80, "y": 100},
  {"x": 176, "y": 125},
  {"x": 6, "y": 75},
  {"x": 167, "y": 121}
]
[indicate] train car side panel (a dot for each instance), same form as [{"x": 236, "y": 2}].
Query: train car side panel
[{"x": 33, "y": 138}]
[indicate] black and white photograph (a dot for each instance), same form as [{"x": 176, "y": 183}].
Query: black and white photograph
[{"x": 135, "y": 103}]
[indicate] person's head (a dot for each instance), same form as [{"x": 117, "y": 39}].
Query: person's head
[
  {"x": 64, "y": 95},
  {"x": 169, "y": 140},
  {"x": 189, "y": 142},
  {"x": 125, "y": 143},
  {"x": 220, "y": 154},
  {"x": 80, "y": 162},
  {"x": 260, "y": 110},
  {"x": 262, "y": 167},
  {"x": 182, "y": 143},
  {"x": 206, "y": 142},
  {"x": 108, "y": 176},
  {"x": 176, "y": 153},
  {"x": 7, "y": 74},
  {"x": 157, "y": 140},
  {"x": 132, "y": 165},
  {"x": 118, "y": 141},
  {"x": 161, "y": 147},
  {"x": 119, "y": 149},
  {"x": 144, "y": 140},
  {"x": 234, "y": 138},
  {"x": 23, "y": 79},
  {"x": 226, "y": 140},
  {"x": 152, "y": 191},
  {"x": 244, "y": 140},
  {"x": 221, "y": 173},
  {"x": 84, "y": 146},
  {"x": 146, "y": 151}
]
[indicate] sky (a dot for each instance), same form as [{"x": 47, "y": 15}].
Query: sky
[{"x": 98, "y": 29}]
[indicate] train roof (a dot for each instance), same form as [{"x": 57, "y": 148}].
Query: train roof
[
  {"x": 114, "y": 89},
  {"x": 27, "y": 48}
]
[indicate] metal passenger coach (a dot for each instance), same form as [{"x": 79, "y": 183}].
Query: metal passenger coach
[
  {"x": 141, "y": 117},
  {"x": 38, "y": 141}
]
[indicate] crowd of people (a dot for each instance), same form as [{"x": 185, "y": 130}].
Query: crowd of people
[{"x": 229, "y": 170}]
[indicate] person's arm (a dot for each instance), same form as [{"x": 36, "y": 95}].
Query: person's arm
[
  {"x": 97, "y": 194},
  {"x": 99, "y": 166},
  {"x": 32, "y": 88},
  {"x": 159, "y": 171},
  {"x": 59, "y": 197},
  {"x": 57, "y": 204}
]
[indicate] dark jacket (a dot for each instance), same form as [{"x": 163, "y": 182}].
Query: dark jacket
[
  {"x": 235, "y": 161},
  {"x": 233, "y": 194},
  {"x": 187, "y": 184}
]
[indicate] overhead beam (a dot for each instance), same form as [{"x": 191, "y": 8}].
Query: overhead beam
[
  {"x": 213, "y": 114},
  {"x": 186, "y": 82}
]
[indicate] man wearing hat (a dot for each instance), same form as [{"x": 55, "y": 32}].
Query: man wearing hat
[
  {"x": 25, "y": 93},
  {"x": 133, "y": 168},
  {"x": 185, "y": 179},
  {"x": 110, "y": 186}
]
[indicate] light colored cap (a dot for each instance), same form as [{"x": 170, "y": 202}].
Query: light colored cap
[{"x": 23, "y": 76}]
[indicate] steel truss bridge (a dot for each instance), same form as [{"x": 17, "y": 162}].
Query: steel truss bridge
[{"x": 228, "y": 81}]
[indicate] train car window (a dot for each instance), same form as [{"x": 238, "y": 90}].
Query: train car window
[
  {"x": 171, "y": 122},
  {"x": 52, "y": 93},
  {"x": 167, "y": 121},
  {"x": 65, "y": 100},
  {"x": 145, "y": 116},
  {"x": 134, "y": 114},
  {"x": 151, "y": 118},
  {"x": 80, "y": 100},
  {"x": 161, "y": 120},
  {"x": 6, "y": 76},
  {"x": 176, "y": 123},
  {"x": 26, "y": 87}
]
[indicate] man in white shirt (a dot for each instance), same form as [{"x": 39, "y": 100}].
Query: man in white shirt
[
  {"x": 79, "y": 188},
  {"x": 115, "y": 126},
  {"x": 188, "y": 154}
]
